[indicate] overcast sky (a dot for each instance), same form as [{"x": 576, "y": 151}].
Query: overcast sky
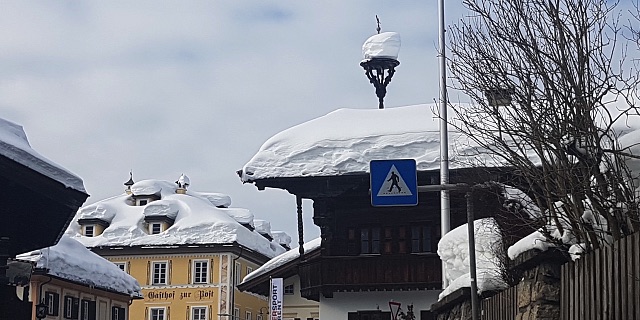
[{"x": 195, "y": 87}]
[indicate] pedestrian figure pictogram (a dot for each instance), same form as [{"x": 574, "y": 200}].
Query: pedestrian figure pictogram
[
  {"x": 394, "y": 181},
  {"x": 394, "y": 184}
]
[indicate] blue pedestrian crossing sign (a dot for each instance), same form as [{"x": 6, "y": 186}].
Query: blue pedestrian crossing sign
[{"x": 393, "y": 183}]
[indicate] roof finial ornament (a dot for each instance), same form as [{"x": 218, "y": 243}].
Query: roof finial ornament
[
  {"x": 378, "y": 21},
  {"x": 129, "y": 183}
]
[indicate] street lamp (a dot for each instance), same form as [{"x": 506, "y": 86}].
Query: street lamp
[
  {"x": 380, "y": 60},
  {"x": 498, "y": 97}
]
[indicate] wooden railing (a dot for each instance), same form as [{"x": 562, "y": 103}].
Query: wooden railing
[{"x": 406, "y": 272}]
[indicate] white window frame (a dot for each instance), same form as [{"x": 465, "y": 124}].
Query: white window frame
[
  {"x": 51, "y": 300},
  {"x": 153, "y": 273},
  {"x": 195, "y": 277},
  {"x": 68, "y": 307},
  {"x": 249, "y": 270},
  {"x": 236, "y": 313},
  {"x": 87, "y": 228},
  {"x": 193, "y": 312},
  {"x": 237, "y": 273},
  {"x": 152, "y": 224},
  {"x": 164, "y": 313},
  {"x": 285, "y": 289},
  {"x": 247, "y": 315},
  {"x": 122, "y": 266}
]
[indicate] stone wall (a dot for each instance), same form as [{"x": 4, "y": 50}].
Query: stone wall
[{"x": 537, "y": 295}]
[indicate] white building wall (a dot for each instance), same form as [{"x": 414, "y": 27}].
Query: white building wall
[
  {"x": 342, "y": 303},
  {"x": 295, "y": 306}
]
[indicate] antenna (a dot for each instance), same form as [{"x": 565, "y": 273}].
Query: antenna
[{"x": 378, "y": 22}]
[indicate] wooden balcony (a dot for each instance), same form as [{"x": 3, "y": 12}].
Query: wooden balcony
[{"x": 369, "y": 272}]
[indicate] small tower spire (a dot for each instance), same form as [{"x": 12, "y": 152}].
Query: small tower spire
[
  {"x": 378, "y": 21},
  {"x": 129, "y": 183}
]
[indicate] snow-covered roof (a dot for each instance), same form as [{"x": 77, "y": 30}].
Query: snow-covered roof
[
  {"x": 346, "y": 140},
  {"x": 282, "y": 259},
  {"x": 15, "y": 146},
  {"x": 70, "y": 260},
  {"x": 197, "y": 221}
]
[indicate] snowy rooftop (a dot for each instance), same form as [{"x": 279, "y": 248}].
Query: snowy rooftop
[
  {"x": 282, "y": 259},
  {"x": 15, "y": 146},
  {"x": 198, "y": 220},
  {"x": 346, "y": 140},
  {"x": 70, "y": 260}
]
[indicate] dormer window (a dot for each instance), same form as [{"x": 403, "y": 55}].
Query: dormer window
[
  {"x": 89, "y": 231},
  {"x": 92, "y": 227},
  {"x": 142, "y": 202},
  {"x": 155, "y": 228}
]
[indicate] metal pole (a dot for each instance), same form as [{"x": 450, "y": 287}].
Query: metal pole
[
  {"x": 445, "y": 224},
  {"x": 472, "y": 257}
]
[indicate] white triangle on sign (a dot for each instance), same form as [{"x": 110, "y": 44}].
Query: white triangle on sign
[{"x": 394, "y": 185}]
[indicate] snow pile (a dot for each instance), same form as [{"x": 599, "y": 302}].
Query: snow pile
[
  {"x": 217, "y": 199},
  {"x": 346, "y": 140},
  {"x": 197, "y": 221},
  {"x": 70, "y": 260},
  {"x": 100, "y": 211},
  {"x": 244, "y": 217},
  {"x": 453, "y": 249},
  {"x": 15, "y": 146},
  {"x": 283, "y": 259},
  {"x": 162, "y": 208},
  {"x": 540, "y": 239},
  {"x": 518, "y": 201},
  {"x": 383, "y": 45},
  {"x": 282, "y": 238},
  {"x": 263, "y": 227}
]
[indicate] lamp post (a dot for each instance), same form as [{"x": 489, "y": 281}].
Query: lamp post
[
  {"x": 380, "y": 60},
  {"x": 379, "y": 71},
  {"x": 445, "y": 206}
]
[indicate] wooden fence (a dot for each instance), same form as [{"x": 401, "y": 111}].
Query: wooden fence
[
  {"x": 503, "y": 305},
  {"x": 604, "y": 284}
]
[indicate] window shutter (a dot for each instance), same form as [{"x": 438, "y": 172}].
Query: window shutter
[
  {"x": 168, "y": 312},
  {"x": 122, "y": 313},
  {"x": 128, "y": 266},
  {"x": 169, "y": 273},
  {"x": 149, "y": 275},
  {"x": 210, "y": 306},
  {"x": 146, "y": 312},
  {"x": 189, "y": 280},
  {"x": 92, "y": 310},
  {"x": 67, "y": 305},
  {"x": 76, "y": 308},
  {"x": 56, "y": 305}
]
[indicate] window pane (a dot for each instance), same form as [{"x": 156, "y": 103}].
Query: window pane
[
  {"x": 199, "y": 313},
  {"x": 159, "y": 273},
  {"x": 200, "y": 271},
  {"x": 426, "y": 239}
]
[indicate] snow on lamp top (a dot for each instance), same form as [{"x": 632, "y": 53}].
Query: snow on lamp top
[{"x": 383, "y": 45}]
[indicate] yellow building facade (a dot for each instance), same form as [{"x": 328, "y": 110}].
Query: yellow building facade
[{"x": 187, "y": 283}]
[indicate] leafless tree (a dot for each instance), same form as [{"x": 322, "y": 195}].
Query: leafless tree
[{"x": 550, "y": 83}]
